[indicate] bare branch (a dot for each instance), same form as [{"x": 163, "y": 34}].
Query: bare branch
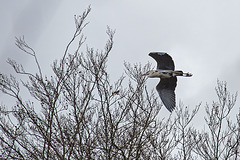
[{"x": 20, "y": 42}]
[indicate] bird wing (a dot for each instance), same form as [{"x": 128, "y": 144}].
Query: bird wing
[
  {"x": 166, "y": 88},
  {"x": 164, "y": 60}
]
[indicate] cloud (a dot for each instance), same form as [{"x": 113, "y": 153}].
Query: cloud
[
  {"x": 23, "y": 18},
  {"x": 201, "y": 36}
]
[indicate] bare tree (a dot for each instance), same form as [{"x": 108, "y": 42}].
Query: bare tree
[
  {"x": 221, "y": 140},
  {"x": 83, "y": 115},
  {"x": 184, "y": 132},
  {"x": 78, "y": 113}
]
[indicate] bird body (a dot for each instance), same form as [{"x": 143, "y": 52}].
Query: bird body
[
  {"x": 165, "y": 74},
  {"x": 168, "y": 78}
]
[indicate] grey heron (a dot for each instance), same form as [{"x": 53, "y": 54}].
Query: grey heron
[{"x": 168, "y": 78}]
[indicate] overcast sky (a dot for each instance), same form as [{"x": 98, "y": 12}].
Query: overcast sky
[{"x": 202, "y": 36}]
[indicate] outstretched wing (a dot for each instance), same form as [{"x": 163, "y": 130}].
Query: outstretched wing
[
  {"x": 164, "y": 61},
  {"x": 166, "y": 88}
]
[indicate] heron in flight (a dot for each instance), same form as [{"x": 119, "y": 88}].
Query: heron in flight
[{"x": 168, "y": 78}]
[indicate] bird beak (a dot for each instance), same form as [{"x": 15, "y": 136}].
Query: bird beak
[{"x": 145, "y": 74}]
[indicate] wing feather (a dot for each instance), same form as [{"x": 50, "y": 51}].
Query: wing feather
[
  {"x": 166, "y": 88},
  {"x": 164, "y": 60}
]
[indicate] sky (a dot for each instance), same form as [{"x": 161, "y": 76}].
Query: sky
[{"x": 202, "y": 36}]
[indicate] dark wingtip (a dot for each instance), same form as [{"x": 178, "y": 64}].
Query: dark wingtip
[
  {"x": 159, "y": 53},
  {"x": 170, "y": 109},
  {"x": 164, "y": 60}
]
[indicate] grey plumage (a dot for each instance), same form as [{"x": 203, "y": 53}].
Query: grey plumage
[
  {"x": 166, "y": 86},
  {"x": 164, "y": 61},
  {"x": 168, "y": 78}
]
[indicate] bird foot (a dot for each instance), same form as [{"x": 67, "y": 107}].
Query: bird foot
[{"x": 187, "y": 74}]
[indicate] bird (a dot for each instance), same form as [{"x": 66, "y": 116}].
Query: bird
[{"x": 168, "y": 78}]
